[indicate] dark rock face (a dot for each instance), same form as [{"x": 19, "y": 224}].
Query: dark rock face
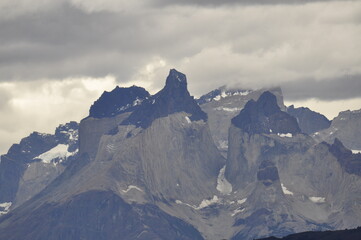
[
  {"x": 174, "y": 97},
  {"x": 265, "y": 116},
  {"x": 353, "y": 234},
  {"x": 97, "y": 215},
  {"x": 350, "y": 162},
  {"x": 267, "y": 173},
  {"x": 308, "y": 120},
  {"x": 118, "y": 101}
]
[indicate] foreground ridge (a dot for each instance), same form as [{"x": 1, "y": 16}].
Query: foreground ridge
[{"x": 352, "y": 234}]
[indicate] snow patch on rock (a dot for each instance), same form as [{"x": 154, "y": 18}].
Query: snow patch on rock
[
  {"x": 223, "y": 144},
  {"x": 244, "y": 93},
  {"x": 223, "y": 186},
  {"x": 4, "y": 207},
  {"x": 285, "y": 190},
  {"x": 182, "y": 203},
  {"x": 217, "y": 98},
  {"x": 130, "y": 187},
  {"x": 137, "y": 102},
  {"x": 59, "y": 152},
  {"x": 239, "y": 210},
  {"x": 289, "y": 135},
  {"x": 207, "y": 203},
  {"x": 317, "y": 199},
  {"x": 228, "y": 109},
  {"x": 242, "y": 201}
]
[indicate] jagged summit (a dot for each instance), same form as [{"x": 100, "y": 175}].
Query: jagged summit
[
  {"x": 265, "y": 116},
  {"x": 118, "y": 101},
  {"x": 222, "y": 92},
  {"x": 267, "y": 102},
  {"x": 176, "y": 79},
  {"x": 345, "y": 127},
  {"x": 174, "y": 97},
  {"x": 350, "y": 162},
  {"x": 308, "y": 120}
]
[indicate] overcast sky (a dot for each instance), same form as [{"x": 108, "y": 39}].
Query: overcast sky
[{"x": 58, "y": 56}]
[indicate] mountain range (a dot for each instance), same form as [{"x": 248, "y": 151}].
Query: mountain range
[{"x": 233, "y": 164}]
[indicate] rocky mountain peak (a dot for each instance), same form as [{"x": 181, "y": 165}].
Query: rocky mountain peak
[
  {"x": 265, "y": 116},
  {"x": 118, "y": 101},
  {"x": 68, "y": 134},
  {"x": 176, "y": 80},
  {"x": 267, "y": 103},
  {"x": 174, "y": 97},
  {"x": 308, "y": 120},
  {"x": 350, "y": 162}
]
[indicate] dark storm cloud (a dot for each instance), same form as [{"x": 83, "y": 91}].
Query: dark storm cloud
[
  {"x": 67, "y": 41},
  {"x": 98, "y": 38},
  {"x": 347, "y": 87},
  {"x": 213, "y": 45},
  {"x": 63, "y": 42}
]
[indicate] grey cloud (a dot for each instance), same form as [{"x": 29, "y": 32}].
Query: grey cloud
[
  {"x": 68, "y": 41},
  {"x": 236, "y": 2},
  {"x": 347, "y": 87},
  {"x": 4, "y": 98},
  {"x": 59, "y": 43},
  {"x": 213, "y": 46}
]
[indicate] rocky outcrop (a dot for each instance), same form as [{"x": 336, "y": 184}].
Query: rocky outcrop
[
  {"x": 349, "y": 161},
  {"x": 173, "y": 98},
  {"x": 32, "y": 164},
  {"x": 309, "y": 121},
  {"x": 265, "y": 116},
  {"x": 223, "y": 104},
  {"x": 92, "y": 129},
  {"x": 291, "y": 183},
  {"x": 106, "y": 114},
  {"x": 118, "y": 101},
  {"x": 346, "y": 127},
  {"x": 14, "y": 163}
]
